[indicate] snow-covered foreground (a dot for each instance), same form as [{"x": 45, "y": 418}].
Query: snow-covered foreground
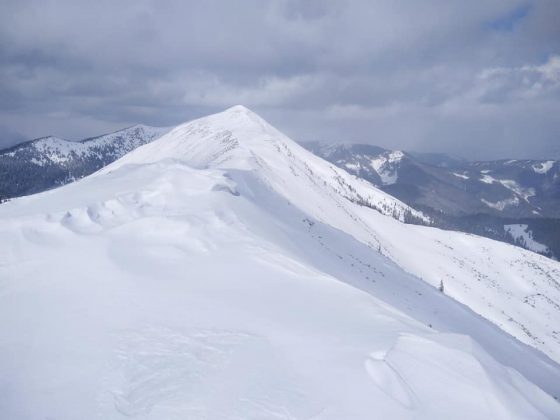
[{"x": 222, "y": 272}]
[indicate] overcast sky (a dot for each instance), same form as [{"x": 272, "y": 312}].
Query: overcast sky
[{"x": 479, "y": 79}]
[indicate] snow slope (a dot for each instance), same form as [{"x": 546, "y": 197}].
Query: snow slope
[
  {"x": 223, "y": 272},
  {"x": 241, "y": 140},
  {"x": 522, "y": 233},
  {"x": 386, "y": 165}
]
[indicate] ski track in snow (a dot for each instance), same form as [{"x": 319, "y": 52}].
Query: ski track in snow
[{"x": 224, "y": 273}]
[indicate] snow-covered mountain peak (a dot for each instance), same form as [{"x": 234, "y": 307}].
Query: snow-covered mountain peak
[
  {"x": 239, "y": 110},
  {"x": 232, "y": 136}
]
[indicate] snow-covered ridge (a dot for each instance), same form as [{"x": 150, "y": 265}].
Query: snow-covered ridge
[{"x": 240, "y": 139}]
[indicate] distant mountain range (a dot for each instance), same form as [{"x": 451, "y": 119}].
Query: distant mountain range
[
  {"x": 516, "y": 201},
  {"x": 48, "y": 162}
]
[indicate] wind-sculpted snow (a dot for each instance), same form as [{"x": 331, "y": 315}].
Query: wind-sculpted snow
[{"x": 223, "y": 274}]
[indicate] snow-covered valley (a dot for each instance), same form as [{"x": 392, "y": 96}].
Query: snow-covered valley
[{"x": 224, "y": 272}]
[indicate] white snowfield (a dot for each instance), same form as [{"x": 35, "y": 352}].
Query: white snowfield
[
  {"x": 223, "y": 272},
  {"x": 385, "y": 166},
  {"x": 523, "y": 233},
  {"x": 543, "y": 167}
]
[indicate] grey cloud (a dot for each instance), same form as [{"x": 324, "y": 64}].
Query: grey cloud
[
  {"x": 462, "y": 77},
  {"x": 527, "y": 82}
]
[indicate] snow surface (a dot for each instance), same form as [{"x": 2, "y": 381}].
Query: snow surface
[
  {"x": 501, "y": 204},
  {"x": 544, "y": 167},
  {"x": 461, "y": 175},
  {"x": 352, "y": 166},
  {"x": 522, "y": 232},
  {"x": 524, "y": 193},
  {"x": 385, "y": 167},
  {"x": 487, "y": 179},
  {"x": 518, "y": 191},
  {"x": 223, "y": 272}
]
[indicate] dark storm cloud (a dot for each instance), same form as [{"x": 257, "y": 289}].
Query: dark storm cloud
[{"x": 479, "y": 79}]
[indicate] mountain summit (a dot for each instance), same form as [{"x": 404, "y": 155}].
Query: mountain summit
[
  {"x": 239, "y": 139},
  {"x": 222, "y": 271}
]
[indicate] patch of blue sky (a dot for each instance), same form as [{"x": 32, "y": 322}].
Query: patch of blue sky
[{"x": 507, "y": 22}]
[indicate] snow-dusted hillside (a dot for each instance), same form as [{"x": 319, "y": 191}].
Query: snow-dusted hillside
[
  {"x": 223, "y": 272},
  {"x": 49, "y": 162},
  {"x": 480, "y": 197},
  {"x": 505, "y": 188},
  {"x": 51, "y": 149}
]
